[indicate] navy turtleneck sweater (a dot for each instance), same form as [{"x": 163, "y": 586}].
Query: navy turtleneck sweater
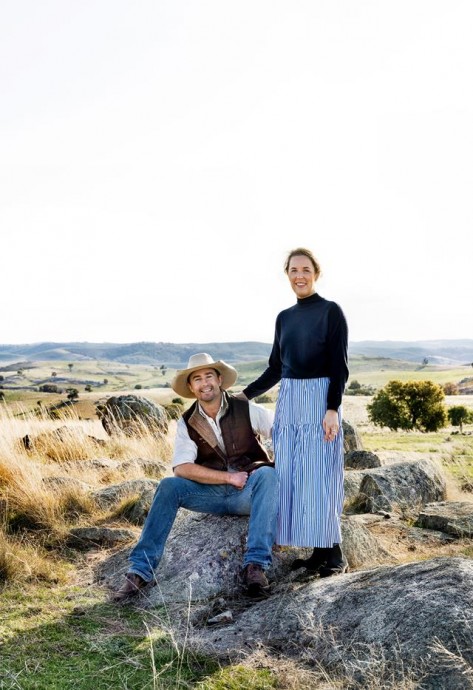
[{"x": 311, "y": 341}]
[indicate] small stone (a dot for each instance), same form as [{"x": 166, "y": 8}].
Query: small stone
[{"x": 224, "y": 617}]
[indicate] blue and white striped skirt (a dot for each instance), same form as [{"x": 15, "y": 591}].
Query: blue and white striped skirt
[{"x": 310, "y": 469}]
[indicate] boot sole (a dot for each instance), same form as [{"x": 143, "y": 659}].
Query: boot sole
[{"x": 257, "y": 592}]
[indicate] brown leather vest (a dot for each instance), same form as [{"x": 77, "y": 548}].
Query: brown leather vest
[{"x": 244, "y": 451}]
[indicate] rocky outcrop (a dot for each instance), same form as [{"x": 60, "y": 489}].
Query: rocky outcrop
[
  {"x": 452, "y": 517},
  {"x": 151, "y": 468},
  {"x": 66, "y": 484},
  {"x": 361, "y": 460},
  {"x": 111, "y": 495},
  {"x": 204, "y": 554},
  {"x": 360, "y": 547},
  {"x": 59, "y": 436},
  {"x": 131, "y": 414},
  {"x": 403, "y": 487},
  {"x": 351, "y": 483},
  {"x": 384, "y": 624},
  {"x": 351, "y": 438}
]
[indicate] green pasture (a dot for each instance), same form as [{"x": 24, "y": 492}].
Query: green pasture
[
  {"x": 374, "y": 371},
  {"x": 70, "y": 638},
  {"x": 377, "y": 372}
]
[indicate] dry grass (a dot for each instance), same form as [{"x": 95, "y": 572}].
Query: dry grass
[
  {"x": 45, "y": 486},
  {"x": 27, "y": 502},
  {"x": 23, "y": 561}
]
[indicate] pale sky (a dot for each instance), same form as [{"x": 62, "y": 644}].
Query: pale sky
[{"x": 158, "y": 159}]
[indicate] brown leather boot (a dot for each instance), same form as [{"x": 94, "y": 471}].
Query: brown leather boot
[
  {"x": 255, "y": 581},
  {"x": 130, "y": 588}
]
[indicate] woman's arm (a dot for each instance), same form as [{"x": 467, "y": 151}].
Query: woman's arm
[{"x": 337, "y": 344}]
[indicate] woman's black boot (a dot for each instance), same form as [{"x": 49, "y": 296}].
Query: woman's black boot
[
  {"x": 336, "y": 563},
  {"x": 314, "y": 562}
]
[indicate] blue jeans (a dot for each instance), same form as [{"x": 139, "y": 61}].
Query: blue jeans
[{"x": 258, "y": 499}]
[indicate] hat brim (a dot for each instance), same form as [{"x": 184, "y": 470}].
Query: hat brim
[{"x": 227, "y": 372}]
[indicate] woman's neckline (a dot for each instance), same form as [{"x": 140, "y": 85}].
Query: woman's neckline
[{"x": 306, "y": 301}]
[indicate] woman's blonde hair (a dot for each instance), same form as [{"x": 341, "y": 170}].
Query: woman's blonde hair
[{"x": 301, "y": 251}]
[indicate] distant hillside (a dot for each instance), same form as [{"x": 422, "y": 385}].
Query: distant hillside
[
  {"x": 176, "y": 355},
  {"x": 436, "y": 351},
  {"x": 171, "y": 354}
]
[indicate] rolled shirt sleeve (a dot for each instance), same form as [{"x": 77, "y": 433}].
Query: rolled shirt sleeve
[
  {"x": 261, "y": 419},
  {"x": 185, "y": 450}
]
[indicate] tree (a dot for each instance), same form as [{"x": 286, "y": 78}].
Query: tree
[
  {"x": 2, "y": 378},
  {"x": 411, "y": 405},
  {"x": 163, "y": 369},
  {"x": 425, "y": 361},
  {"x": 70, "y": 365},
  {"x": 2, "y": 395},
  {"x": 105, "y": 381},
  {"x": 88, "y": 388},
  {"x": 72, "y": 394},
  {"x": 54, "y": 374},
  {"x": 459, "y": 415},
  {"x": 138, "y": 386}
]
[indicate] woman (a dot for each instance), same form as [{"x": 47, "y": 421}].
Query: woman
[{"x": 309, "y": 357}]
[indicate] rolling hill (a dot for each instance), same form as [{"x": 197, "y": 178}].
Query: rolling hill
[{"x": 176, "y": 355}]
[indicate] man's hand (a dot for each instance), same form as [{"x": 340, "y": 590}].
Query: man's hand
[
  {"x": 237, "y": 479},
  {"x": 330, "y": 425}
]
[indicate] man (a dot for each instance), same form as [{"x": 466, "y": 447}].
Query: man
[{"x": 220, "y": 467}]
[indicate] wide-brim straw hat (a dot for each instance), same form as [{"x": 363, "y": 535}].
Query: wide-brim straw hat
[{"x": 202, "y": 361}]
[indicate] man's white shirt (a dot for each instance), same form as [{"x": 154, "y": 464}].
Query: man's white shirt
[{"x": 185, "y": 450}]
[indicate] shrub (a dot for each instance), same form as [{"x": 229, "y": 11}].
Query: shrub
[
  {"x": 354, "y": 385},
  {"x": 138, "y": 386},
  {"x": 88, "y": 388},
  {"x": 359, "y": 389},
  {"x": 178, "y": 401},
  {"x": 49, "y": 388},
  {"x": 450, "y": 388}
]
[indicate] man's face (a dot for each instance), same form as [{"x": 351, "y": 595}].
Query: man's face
[{"x": 205, "y": 384}]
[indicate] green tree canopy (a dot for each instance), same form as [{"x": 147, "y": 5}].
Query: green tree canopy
[
  {"x": 411, "y": 405},
  {"x": 459, "y": 415},
  {"x": 72, "y": 394}
]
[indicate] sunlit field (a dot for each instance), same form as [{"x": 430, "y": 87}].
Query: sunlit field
[{"x": 57, "y": 628}]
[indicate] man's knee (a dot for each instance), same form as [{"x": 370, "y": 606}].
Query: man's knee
[
  {"x": 168, "y": 487},
  {"x": 267, "y": 477}
]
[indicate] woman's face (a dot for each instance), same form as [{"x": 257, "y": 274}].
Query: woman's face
[{"x": 302, "y": 276}]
